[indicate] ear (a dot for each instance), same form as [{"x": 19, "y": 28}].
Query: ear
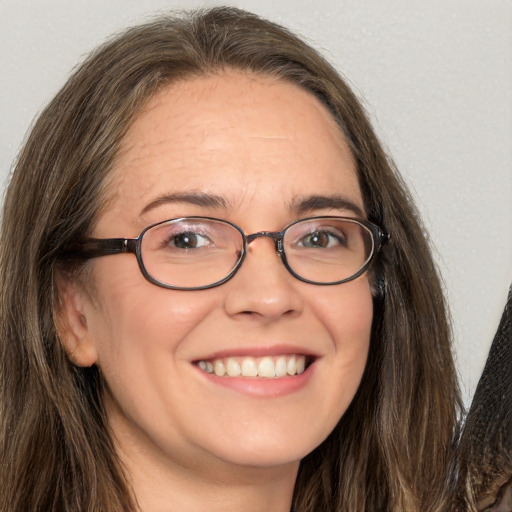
[{"x": 71, "y": 320}]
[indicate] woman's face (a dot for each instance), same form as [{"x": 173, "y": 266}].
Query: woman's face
[{"x": 254, "y": 151}]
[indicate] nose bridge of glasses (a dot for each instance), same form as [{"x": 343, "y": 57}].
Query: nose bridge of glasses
[{"x": 276, "y": 236}]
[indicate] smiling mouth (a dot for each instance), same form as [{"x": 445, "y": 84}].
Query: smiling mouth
[{"x": 267, "y": 367}]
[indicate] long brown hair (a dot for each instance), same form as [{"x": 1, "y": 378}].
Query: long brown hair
[{"x": 389, "y": 452}]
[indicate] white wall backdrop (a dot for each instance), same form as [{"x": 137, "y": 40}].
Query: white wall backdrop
[{"x": 435, "y": 75}]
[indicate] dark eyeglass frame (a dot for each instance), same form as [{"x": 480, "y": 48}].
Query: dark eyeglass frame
[{"x": 97, "y": 247}]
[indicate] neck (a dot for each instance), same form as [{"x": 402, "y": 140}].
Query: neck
[
  {"x": 193, "y": 480},
  {"x": 236, "y": 488}
]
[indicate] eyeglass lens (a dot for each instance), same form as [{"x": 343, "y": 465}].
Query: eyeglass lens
[{"x": 197, "y": 252}]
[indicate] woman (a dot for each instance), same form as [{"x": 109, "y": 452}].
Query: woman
[{"x": 266, "y": 347}]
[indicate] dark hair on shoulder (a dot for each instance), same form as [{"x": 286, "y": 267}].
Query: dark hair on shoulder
[
  {"x": 485, "y": 447},
  {"x": 389, "y": 452}
]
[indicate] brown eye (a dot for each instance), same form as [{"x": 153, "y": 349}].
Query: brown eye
[
  {"x": 189, "y": 240},
  {"x": 321, "y": 240}
]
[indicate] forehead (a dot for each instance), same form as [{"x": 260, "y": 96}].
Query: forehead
[{"x": 230, "y": 133}]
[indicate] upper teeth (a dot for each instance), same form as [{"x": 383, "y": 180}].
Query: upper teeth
[{"x": 268, "y": 367}]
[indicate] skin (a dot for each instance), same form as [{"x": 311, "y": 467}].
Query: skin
[{"x": 189, "y": 444}]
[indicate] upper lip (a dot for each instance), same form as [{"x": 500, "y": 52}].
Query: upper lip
[{"x": 259, "y": 351}]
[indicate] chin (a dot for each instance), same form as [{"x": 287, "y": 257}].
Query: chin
[{"x": 269, "y": 449}]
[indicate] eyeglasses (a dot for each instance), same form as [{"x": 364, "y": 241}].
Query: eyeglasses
[{"x": 194, "y": 253}]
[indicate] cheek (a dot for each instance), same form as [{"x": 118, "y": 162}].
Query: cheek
[
  {"x": 132, "y": 320},
  {"x": 347, "y": 312}
]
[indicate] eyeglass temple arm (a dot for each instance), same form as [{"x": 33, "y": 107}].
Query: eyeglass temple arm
[
  {"x": 95, "y": 247},
  {"x": 383, "y": 237}
]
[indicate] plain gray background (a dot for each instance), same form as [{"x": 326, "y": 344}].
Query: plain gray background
[{"x": 435, "y": 76}]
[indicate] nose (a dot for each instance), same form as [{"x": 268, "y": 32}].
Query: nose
[{"x": 263, "y": 288}]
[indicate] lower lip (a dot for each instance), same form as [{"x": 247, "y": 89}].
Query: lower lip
[{"x": 263, "y": 387}]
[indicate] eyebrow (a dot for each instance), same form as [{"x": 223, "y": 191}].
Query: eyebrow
[
  {"x": 311, "y": 204},
  {"x": 195, "y": 198},
  {"x": 301, "y": 205}
]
